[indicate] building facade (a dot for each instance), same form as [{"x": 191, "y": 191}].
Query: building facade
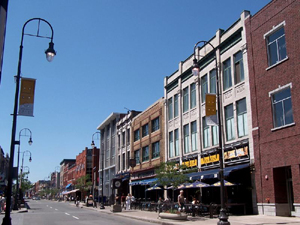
[
  {"x": 107, "y": 162},
  {"x": 147, "y": 147},
  {"x": 123, "y": 150},
  {"x": 64, "y": 166},
  {"x": 191, "y": 139},
  {"x": 273, "y": 49}
]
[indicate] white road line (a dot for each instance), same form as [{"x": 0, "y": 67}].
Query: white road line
[
  {"x": 56, "y": 209},
  {"x": 76, "y": 217},
  {"x": 50, "y": 207},
  {"x": 67, "y": 214}
]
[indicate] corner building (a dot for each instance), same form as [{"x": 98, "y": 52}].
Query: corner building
[
  {"x": 273, "y": 36},
  {"x": 189, "y": 138}
]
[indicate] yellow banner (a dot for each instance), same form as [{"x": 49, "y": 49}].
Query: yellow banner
[
  {"x": 236, "y": 153},
  {"x": 210, "y": 159},
  {"x": 26, "y": 101},
  {"x": 190, "y": 163}
]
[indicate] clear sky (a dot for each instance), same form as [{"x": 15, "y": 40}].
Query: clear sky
[{"x": 111, "y": 54}]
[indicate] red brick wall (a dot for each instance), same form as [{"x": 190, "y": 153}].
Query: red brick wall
[{"x": 278, "y": 148}]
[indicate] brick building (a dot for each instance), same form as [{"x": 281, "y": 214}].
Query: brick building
[
  {"x": 273, "y": 55},
  {"x": 148, "y": 147},
  {"x": 64, "y": 167}
]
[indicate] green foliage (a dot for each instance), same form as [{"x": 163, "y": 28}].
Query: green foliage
[
  {"x": 25, "y": 183},
  {"x": 171, "y": 173},
  {"x": 83, "y": 183}
]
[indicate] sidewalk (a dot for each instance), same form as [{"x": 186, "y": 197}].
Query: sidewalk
[{"x": 234, "y": 220}]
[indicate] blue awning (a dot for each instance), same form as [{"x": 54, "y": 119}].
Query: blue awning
[
  {"x": 68, "y": 185},
  {"x": 208, "y": 174},
  {"x": 143, "y": 182}
]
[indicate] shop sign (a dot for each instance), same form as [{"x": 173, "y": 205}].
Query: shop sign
[
  {"x": 210, "y": 159},
  {"x": 190, "y": 163},
  {"x": 236, "y": 153}
]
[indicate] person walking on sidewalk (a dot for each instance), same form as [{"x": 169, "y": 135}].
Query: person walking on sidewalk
[
  {"x": 123, "y": 200},
  {"x": 128, "y": 201}
]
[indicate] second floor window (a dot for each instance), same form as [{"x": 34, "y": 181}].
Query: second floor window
[
  {"x": 155, "y": 150},
  {"x": 242, "y": 122},
  {"x": 204, "y": 87},
  {"x": 137, "y": 156},
  {"x": 186, "y": 133},
  {"x": 145, "y": 153},
  {"x": 171, "y": 145},
  {"x": 137, "y": 135},
  {"x": 206, "y": 136},
  {"x": 155, "y": 124},
  {"x": 194, "y": 135},
  {"x": 238, "y": 68},
  {"x": 227, "y": 82},
  {"x": 229, "y": 118},
  {"x": 176, "y": 146}
]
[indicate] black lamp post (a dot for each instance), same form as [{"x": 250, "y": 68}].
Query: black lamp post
[
  {"x": 50, "y": 53},
  {"x": 223, "y": 218},
  {"x": 21, "y": 171},
  {"x": 102, "y": 168},
  {"x": 18, "y": 143}
]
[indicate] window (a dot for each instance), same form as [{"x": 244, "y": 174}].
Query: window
[
  {"x": 119, "y": 140},
  {"x": 229, "y": 118},
  {"x": 193, "y": 95},
  {"x": 128, "y": 159},
  {"x": 155, "y": 150},
  {"x": 186, "y": 133},
  {"x": 227, "y": 83},
  {"x": 155, "y": 124},
  {"x": 194, "y": 135},
  {"x": 276, "y": 46},
  {"x": 282, "y": 107},
  {"x": 213, "y": 81},
  {"x": 123, "y": 138},
  {"x": 123, "y": 161},
  {"x": 242, "y": 118},
  {"x": 176, "y": 105},
  {"x": 128, "y": 136},
  {"x": 145, "y": 153},
  {"x": 215, "y": 135},
  {"x": 137, "y": 135},
  {"x": 171, "y": 144},
  {"x": 176, "y": 137},
  {"x": 170, "y": 108},
  {"x": 185, "y": 99},
  {"x": 238, "y": 68},
  {"x": 137, "y": 156},
  {"x": 206, "y": 136},
  {"x": 204, "y": 87},
  {"x": 145, "y": 130}
]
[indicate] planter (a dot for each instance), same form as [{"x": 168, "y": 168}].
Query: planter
[{"x": 173, "y": 216}]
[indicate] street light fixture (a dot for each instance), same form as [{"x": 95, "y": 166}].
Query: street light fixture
[
  {"x": 50, "y": 53},
  {"x": 21, "y": 172},
  {"x": 223, "y": 218},
  {"x": 102, "y": 168},
  {"x": 26, "y": 132}
]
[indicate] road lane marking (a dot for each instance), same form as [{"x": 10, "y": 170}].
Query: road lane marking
[
  {"x": 67, "y": 214},
  {"x": 76, "y": 217},
  {"x": 56, "y": 209},
  {"x": 50, "y": 207}
]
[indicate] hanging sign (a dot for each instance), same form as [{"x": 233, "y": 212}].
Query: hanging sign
[{"x": 26, "y": 97}]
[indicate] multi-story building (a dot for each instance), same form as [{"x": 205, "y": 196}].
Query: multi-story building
[
  {"x": 64, "y": 166},
  {"x": 84, "y": 164},
  {"x": 190, "y": 140},
  {"x": 147, "y": 147},
  {"x": 4, "y": 162},
  {"x": 107, "y": 162},
  {"x": 123, "y": 150},
  {"x": 273, "y": 54}
]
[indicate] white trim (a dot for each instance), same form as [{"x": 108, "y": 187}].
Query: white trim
[
  {"x": 255, "y": 128},
  {"x": 284, "y": 126},
  {"x": 275, "y": 28},
  {"x": 280, "y": 88}
]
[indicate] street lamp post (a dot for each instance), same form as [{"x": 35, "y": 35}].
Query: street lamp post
[
  {"x": 21, "y": 171},
  {"x": 50, "y": 53},
  {"x": 223, "y": 218},
  {"x": 18, "y": 143},
  {"x": 102, "y": 168}
]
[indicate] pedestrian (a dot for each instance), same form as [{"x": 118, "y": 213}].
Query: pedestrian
[
  {"x": 128, "y": 201},
  {"x": 180, "y": 201},
  {"x": 118, "y": 200},
  {"x": 123, "y": 200}
]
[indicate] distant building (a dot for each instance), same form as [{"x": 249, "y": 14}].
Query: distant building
[{"x": 64, "y": 168}]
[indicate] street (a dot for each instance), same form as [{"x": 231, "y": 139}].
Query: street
[{"x": 44, "y": 212}]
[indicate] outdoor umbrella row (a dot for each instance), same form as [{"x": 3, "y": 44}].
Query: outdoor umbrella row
[{"x": 197, "y": 184}]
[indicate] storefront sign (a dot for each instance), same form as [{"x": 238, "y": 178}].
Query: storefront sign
[
  {"x": 236, "y": 153},
  {"x": 190, "y": 163},
  {"x": 210, "y": 159}
]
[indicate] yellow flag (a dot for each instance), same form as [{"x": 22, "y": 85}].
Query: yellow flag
[
  {"x": 26, "y": 101},
  {"x": 210, "y": 104}
]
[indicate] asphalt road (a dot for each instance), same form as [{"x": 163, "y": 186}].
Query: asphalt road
[{"x": 44, "y": 212}]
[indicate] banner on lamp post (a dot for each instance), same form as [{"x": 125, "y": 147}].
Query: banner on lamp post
[{"x": 26, "y": 101}]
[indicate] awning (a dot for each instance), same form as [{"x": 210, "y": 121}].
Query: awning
[
  {"x": 208, "y": 174},
  {"x": 68, "y": 185},
  {"x": 143, "y": 182}
]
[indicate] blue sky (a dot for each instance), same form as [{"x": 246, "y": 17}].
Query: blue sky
[{"x": 111, "y": 54}]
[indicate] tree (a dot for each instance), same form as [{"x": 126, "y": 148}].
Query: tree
[
  {"x": 84, "y": 184},
  {"x": 171, "y": 173}
]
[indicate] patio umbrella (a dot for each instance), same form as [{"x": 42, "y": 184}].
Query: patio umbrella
[
  {"x": 226, "y": 183},
  {"x": 153, "y": 188},
  {"x": 197, "y": 184},
  {"x": 182, "y": 186}
]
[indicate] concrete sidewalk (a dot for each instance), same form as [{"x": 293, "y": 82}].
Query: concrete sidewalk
[{"x": 234, "y": 220}]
